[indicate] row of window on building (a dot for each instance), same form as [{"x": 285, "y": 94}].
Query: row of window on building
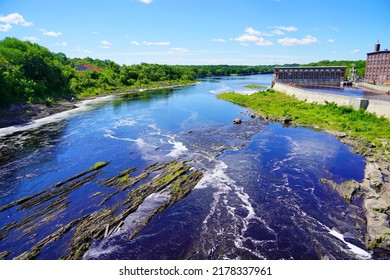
[
  {"x": 377, "y": 70},
  {"x": 380, "y": 56},
  {"x": 310, "y": 75},
  {"x": 381, "y": 62}
]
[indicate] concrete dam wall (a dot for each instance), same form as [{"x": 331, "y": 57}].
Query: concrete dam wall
[{"x": 379, "y": 107}]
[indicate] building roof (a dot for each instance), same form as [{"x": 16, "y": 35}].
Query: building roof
[
  {"x": 310, "y": 67},
  {"x": 87, "y": 67},
  {"x": 384, "y": 51}
]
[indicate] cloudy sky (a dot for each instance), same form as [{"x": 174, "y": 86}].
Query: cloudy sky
[{"x": 249, "y": 32}]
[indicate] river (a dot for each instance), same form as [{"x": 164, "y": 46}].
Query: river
[{"x": 261, "y": 196}]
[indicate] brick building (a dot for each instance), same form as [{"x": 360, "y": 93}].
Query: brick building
[{"x": 378, "y": 66}]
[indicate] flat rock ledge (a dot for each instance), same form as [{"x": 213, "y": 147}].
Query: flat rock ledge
[
  {"x": 375, "y": 191},
  {"x": 123, "y": 194}
]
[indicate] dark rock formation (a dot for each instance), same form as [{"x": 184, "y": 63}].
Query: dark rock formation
[
  {"x": 287, "y": 120},
  {"x": 175, "y": 175},
  {"x": 237, "y": 121}
]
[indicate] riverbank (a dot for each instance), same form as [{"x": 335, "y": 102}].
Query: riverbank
[
  {"x": 376, "y": 88},
  {"x": 365, "y": 133},
  {"x": 24, "y": 114},
  {"x": 378, "y": 107}
]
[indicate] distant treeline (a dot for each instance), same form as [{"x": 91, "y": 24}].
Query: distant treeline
[
  {"x": 30, "y": 73},
  {"x": 360, "y": 65}
]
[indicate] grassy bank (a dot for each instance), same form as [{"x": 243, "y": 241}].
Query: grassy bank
[{"x": 355, "y": 123}]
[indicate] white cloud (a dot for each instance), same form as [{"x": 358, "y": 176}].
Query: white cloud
[
  {"x": 286, "y": 28},
  {"x": 105, "y": 44},
  {"x": 135, "y": 43},
  {"x": 178, "y": 50},
  {"x": 308, "y": 40},
  {"x": 146, "y": 43},
  {"x": 355, "y": 51},
  {"x": 252, "y": 31},
  {"x": 331, "y": 40},
  {"x": 85, "y": 51},
  {"x": 63, "y": 44},
  {"x": 5, "y": 27},
  {"x": 30, "y": 39},
  {"x": 15, "y": 19},
  {"x": 146, "y": 1},
  {"x": 50, "y": 33},
  {"x": 278, "y": 32},
  {"x": 219, "y": 40},
  {"x": 252, "y": 36},
  {"x": 12, "y": 19},
  {"x": 335, "y": 29}
]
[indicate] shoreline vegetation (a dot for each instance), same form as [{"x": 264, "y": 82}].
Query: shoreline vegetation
[
  {"x": 26, "y": 113},
  {"x": 254, "y": 86},
  {"x": 365, "y": 133}
]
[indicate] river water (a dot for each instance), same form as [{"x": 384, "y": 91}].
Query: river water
[{"x": 261, "y": 196}]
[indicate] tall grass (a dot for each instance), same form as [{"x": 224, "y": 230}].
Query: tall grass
[{"x": 355, "y": 123}]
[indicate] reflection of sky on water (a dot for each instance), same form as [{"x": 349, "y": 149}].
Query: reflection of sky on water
[
  {"x": 348, "y": 91},
  {"x": 254, "y": 200}
]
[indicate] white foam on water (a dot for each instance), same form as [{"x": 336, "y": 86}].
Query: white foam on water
[
  {"x": 124, "y": 122},
  {"x": 178, "y": 148},
  {"x": 97, "y": 251},
  {"x": 226, "y": 192},
  {"x": 142, "y": 145},
  {"x": 353, "y": 248},
  {"x": 81, "y": 106},
  {"x": 217, "y": 174},
  {"x": 358, "y": 252},
  {"x": 221, "y": 90}
]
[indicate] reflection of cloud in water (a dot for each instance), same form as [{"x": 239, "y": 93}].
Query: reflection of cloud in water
[
  {"x": 191, "y": 119},
  {"x": 312, "y": 148}
]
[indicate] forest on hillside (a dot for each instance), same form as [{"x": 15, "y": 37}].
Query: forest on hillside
[{"x": 30, "y": 73}]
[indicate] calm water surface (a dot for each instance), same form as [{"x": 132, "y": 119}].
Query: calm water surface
[
  {"x": 260, "y": 198},
  {"x": 350, "y": 91}
]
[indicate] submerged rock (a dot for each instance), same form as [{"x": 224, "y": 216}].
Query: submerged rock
[
  {"x": 176, "y": 175},
  {"x": 287, "y": 120},
  {"x": 347, "y": 189},
  {"x": 3, "y": 255},
  {"x": 237, "y": 121}
]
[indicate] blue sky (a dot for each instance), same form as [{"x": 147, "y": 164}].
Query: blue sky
[{"x": 241, "y": 32}]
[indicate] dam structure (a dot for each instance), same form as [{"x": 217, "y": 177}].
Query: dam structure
[
  {"x": 380, "y": 107},
  {"x": 330, "y": 76}
]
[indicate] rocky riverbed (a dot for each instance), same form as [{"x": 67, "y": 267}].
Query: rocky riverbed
[
  {"x": 374, "y": 190},
  {"x": 49, "y": 204}
]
